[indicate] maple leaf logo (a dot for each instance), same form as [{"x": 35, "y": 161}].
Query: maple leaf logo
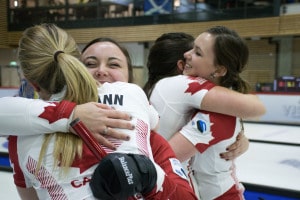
[
  {"x": 197, "y": 84},
  {"x": 193, "y": 87},
  {"x": 48, "y": 114},
  {"x": 60, "y": 110}
]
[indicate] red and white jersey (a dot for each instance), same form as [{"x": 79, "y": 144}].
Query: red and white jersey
[
  {"x": 131, "y": 100},
  {"x": 20, "y": 116},
  {"x": 175, "y": 99},
  {"x": 175, "y": 185},
  {"x": 34, "y": 117},
  {"x": 51, "y": 183},
  {"x": 212, "y": 176}
]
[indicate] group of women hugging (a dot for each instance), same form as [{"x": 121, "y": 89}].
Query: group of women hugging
[{"x": 176, "y": 138}]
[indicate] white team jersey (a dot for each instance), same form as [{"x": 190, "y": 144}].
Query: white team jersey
[
  {"x": 212, "y": 133},
  {"x": 175, "y": 99},
  {"x": 49, "y": 183},
  {"x": 145, "y": 117}
]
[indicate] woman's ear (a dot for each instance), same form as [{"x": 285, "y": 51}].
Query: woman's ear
[
  {"x": 221, "y": 71},
  {"x": 180, "y": 65}
]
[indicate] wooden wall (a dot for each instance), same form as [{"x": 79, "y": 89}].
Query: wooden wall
[
  {"x": 246, "y": 28},
  {"x": 262, "y": 62},
  {"x": 296, "y": 57}
]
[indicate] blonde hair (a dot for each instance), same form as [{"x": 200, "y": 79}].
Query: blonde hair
[{"x": 49, "y": 58}]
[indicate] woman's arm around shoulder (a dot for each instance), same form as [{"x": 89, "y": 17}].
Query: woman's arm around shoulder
[
  {"x": 222, "y": 100},
  {"x": 34, "y": 117}
]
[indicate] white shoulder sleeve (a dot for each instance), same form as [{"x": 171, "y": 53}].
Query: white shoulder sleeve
[{"x": 20, "y": 116}]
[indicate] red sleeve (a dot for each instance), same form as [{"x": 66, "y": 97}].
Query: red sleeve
[
  {"x": 18, "y": 176},
  {"x": 174, "y": 187}
]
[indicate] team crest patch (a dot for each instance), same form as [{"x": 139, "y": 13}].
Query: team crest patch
[
  {"x": 201, "y": 126},
  {"x": 201, "y": 123},
  {"x": 177, "y": 168}
]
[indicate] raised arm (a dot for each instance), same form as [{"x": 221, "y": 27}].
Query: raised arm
[
  {"x": 222, "y": 100},
  {"x": 22, "y": 116}
]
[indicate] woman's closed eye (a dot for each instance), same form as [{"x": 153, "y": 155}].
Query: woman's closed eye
[
  {"x": 91, "y": 64},
  {"x": 198, "y": 53},
  {"x": 114, "y": 65}
]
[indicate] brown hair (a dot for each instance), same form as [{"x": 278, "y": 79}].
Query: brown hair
[
  {"x": 164, "y": 55},
  {"x": 232, "y": 52}
]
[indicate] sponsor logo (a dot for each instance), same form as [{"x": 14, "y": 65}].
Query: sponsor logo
[{"x": 127, "y": 172}]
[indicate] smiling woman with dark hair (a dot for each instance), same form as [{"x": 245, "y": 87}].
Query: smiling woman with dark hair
[{"x": 198, "y": 109}]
